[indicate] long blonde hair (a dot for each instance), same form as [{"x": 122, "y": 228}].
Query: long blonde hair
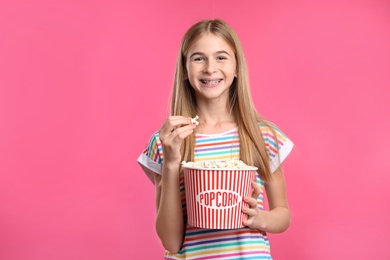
[{"x": 183, "y": 102}]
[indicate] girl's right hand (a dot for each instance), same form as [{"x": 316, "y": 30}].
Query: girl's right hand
[{"x": 172, "y": 134}]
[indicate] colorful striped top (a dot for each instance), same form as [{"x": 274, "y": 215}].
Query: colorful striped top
[{"x": 243, "y": 243}]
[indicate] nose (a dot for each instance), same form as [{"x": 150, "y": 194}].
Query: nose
[{"x": 210, "y": 67}]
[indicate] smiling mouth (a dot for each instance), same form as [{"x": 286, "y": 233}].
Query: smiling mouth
[{"x": 210, "y": 82}]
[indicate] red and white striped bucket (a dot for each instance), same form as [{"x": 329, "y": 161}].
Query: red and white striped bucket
[{"x": 214, "y": 197}]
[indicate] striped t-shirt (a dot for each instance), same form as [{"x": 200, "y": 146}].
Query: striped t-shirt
[{"x": 243, "y": 243}]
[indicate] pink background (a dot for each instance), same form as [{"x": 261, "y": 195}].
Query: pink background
[{"x": 84, "y": 84}]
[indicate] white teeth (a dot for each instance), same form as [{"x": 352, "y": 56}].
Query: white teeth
[{"x": 211, "y": 82}]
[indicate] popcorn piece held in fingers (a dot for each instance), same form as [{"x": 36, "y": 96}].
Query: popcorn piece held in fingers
[{"x": 195, "y": 120}]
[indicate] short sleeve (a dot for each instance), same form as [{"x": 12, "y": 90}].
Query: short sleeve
[
  {"x": 151, "y": 158},
  {"x": 280, "y": 144}
]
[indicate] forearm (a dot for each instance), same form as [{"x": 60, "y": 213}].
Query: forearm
[
  {"x": 276, "y": 220},
  {"x": 169, "y": 221}
]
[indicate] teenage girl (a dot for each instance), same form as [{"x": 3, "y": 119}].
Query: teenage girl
[{"x": 211, "y": 81}]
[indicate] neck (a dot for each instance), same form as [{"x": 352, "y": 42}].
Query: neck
[{"x": 214, "y": 119}]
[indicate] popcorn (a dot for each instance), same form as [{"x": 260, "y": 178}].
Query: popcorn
[
  {"x": 195, "y": 120},
  {"x": 228, "y": 164}
]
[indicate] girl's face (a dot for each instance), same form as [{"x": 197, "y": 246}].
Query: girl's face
[{"x": 211, "y": 67}]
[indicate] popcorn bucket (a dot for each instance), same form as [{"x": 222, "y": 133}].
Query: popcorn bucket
[{"x": 214, "y": 197}]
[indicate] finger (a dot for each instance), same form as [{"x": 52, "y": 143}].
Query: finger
[
  {"x": 256, "y": 190},
  {"x": 251, "y": 202},
  {"x": 174, "y": 138},
  {"x": 177, "y": 135},
  {"x": 178, "y": 120},
  {"x": 172, "y": 123},
  {"x": 248, "y": 211},
  {"x": 182, "y": 128},
  {"x": 248, "y": 221},
  {"x": 183, "y": 131}
]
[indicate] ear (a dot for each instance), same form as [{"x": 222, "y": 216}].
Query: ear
[{"x": 185, "y": 76}]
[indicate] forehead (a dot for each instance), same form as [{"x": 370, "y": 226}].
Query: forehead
[{"x": 209, "y": 43}]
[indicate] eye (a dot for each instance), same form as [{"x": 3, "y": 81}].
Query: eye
[
  {"x": 221, "y": 58},
  {"x": 198, "y": 59}
]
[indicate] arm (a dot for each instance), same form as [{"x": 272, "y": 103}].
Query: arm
[
  {"x": 169, "y": 222},
  {"x": 277, "y": 219}
]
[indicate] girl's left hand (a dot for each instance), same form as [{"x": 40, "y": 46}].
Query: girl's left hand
[{"x": 255, "y": 215}]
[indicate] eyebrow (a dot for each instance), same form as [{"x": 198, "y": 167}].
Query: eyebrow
[{"x": 201, "y": 53}]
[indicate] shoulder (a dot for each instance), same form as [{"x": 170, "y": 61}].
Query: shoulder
[
  {"x": 155, "y": 138},
  {"x": 272, "y": 134},
  {"x": 151, "y": 157},
  {"x": 277, "y": 144},
  {"x": 153, "y": 148}
]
